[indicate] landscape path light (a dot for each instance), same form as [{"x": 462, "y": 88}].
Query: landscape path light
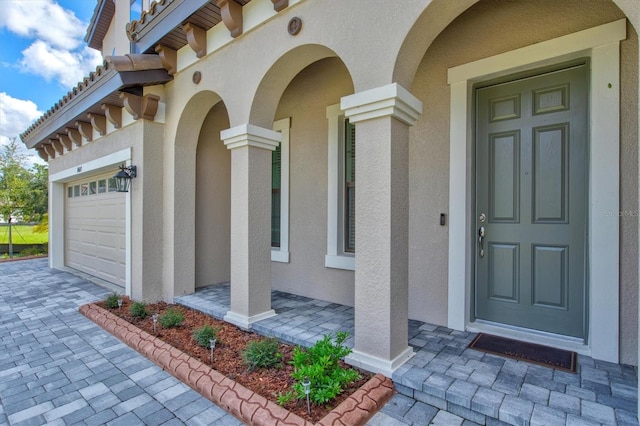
[
  {"x": 306, "y": 384},
  {"x": 155, "y": 321},
  {"x": 120, "y": 305},
  {"x": 212, "y": 345}
]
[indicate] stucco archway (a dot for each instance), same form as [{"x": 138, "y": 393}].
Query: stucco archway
[
  {"x": 437, "y": 126},
  {"x": 181, "y": 194},
  {"x": 276, "y": 80}
]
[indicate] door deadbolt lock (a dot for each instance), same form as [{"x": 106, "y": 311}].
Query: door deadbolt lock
[{"x": 482, "y": 218}]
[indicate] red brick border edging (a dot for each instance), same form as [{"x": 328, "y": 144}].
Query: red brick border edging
[{"x": 243, "y": 403}]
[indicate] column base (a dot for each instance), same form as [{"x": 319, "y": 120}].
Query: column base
[
  {"x": 244, "y": 321},
  {"x": 379, "y": 365}
]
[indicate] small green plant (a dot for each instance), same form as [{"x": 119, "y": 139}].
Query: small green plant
[
  {"x": 203, "y": 334},
  {"x": 320, "y": 364},
  {"x": 138, "y": 309},
  {"x": 263, "y": 353},
  {"x": 112, "y": 301},
  {"x": 284, "y": 398},
  {"x": 171, "y": 318}
]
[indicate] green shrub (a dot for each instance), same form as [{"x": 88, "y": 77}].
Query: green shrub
[
  {"x": 203, "y": 334},
  {"x": 262, "y": 353},
  {"x": 112, "y": 301},
  {"x": 138, "y": 309},
  {"x": 320, "y": 364},
  {"x": 171, "y": 318}
]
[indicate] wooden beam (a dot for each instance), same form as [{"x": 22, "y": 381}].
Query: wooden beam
[
  {"x": 231, "y": 13},
  {"x": 197, "y": 38}
]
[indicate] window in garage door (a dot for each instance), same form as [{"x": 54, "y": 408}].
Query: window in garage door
[{"x": 95, "y": 229}]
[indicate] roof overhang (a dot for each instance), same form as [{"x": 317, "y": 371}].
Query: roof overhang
[
  {"x": 117, "y": 75},
  {"x": 100, "y": 22}
]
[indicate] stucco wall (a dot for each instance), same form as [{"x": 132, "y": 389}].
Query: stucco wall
[
  {"x": 305, "y": 100},
  {"x": 520, "y": 24},
  {"x": 213, "y": 198}
]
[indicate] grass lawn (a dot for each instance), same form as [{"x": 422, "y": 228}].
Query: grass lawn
[{"x": 22, "y": 234}]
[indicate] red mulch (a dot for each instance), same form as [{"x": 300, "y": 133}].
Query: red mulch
[{"x": 231, "y": 341}]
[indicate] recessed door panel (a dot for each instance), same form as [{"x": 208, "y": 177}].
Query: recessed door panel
[
  {"x": 504, "y": 162},
  {"x": 503, "y": 272},
  {"x": 550, "y": 277},
  {"x": 550, "y": 167}
]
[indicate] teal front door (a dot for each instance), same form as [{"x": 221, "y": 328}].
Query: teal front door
[{"x": 531, "y": 202}]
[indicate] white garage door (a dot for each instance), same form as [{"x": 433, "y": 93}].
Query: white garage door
[{"x": 95, "y": 228}]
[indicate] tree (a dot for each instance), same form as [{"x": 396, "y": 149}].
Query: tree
[
  {"x": 37, "y": 198},
  {"x": 23, "y": 192},
  {"x": 14, "y": 180}
]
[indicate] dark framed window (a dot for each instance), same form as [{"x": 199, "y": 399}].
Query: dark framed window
[
  {"x": 276, "y": 169},
  {"x": 349, "y": 187}
]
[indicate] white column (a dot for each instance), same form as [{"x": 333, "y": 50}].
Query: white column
[
  {"x": 251, "y": 148},
  {"x": 382, "y": 116}
]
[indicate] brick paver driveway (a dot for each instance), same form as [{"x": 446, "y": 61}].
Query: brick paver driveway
[{"x": 58, "y": 367}]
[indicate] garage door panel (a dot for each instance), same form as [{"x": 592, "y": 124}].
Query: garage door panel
[{"x": 95, "y": 233}]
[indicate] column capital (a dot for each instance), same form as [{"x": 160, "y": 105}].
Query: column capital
[
  {"x": 391, "y": 100},
  {"x": 250, "y": 135}
]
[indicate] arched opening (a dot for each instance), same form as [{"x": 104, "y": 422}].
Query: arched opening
[
  {"x": 434, "y": 169},
  {"x": 213, "y": 201},
  {"x": 305, "y": 103},
  {"x": 198, "y": 121}
]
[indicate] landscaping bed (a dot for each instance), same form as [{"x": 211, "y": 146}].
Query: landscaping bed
[{"x": 358, "y": 401}]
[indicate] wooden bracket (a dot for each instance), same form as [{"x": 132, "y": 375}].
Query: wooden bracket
[
  {"x": 99, "y": 122},
  {"x": 140, "y": 107},
  {"x": 279, "y": 5},
  {"x": 231, "y": 13},
  {"x": 57, "y": 145},
  {"x": 168, "y": 57},
  {"x": 113, "y": 114},
  {"x": 50, "y": 150},
  {"x": 66, "y": 142},
  {"x": 75, "y": 136},
  {"x": 197, "y": 38},
  {"x": 86, "y": 130},
  {"x": 42, "y": 153}
]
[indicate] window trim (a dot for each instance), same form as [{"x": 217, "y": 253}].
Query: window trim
[
  {"x": 336, "y": 257},
  {"x": 281, "y": 254}
]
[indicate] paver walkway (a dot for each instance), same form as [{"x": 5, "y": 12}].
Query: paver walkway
[
  {"x": 445, "y": 381},
  {"x": 57, "y": 367}
]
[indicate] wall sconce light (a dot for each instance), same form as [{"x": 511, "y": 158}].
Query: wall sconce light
[{"x": 123, "y": 178}]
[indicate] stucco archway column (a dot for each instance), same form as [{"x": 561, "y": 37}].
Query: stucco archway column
[
  {"x": 382, "y": 117},
  {"x": 251, "y": 148}
]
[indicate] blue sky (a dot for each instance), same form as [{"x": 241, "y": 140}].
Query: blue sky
[{"x": 42, "y": 56}]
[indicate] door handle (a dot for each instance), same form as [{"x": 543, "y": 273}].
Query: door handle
[{"x": 481, "y": 234}]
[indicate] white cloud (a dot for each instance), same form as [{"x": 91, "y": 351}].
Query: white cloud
[
  {"x": 15, "y": 116},
  {"x": 66, "y": 67},
  {"x": 58, "y": 52},
  {"x": 43, "y": 20}
]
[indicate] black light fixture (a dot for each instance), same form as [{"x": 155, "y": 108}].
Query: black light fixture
[{"x": 123, "y": 178}]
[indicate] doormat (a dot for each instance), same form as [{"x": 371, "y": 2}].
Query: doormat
[{"x": 529, "y": 352}]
